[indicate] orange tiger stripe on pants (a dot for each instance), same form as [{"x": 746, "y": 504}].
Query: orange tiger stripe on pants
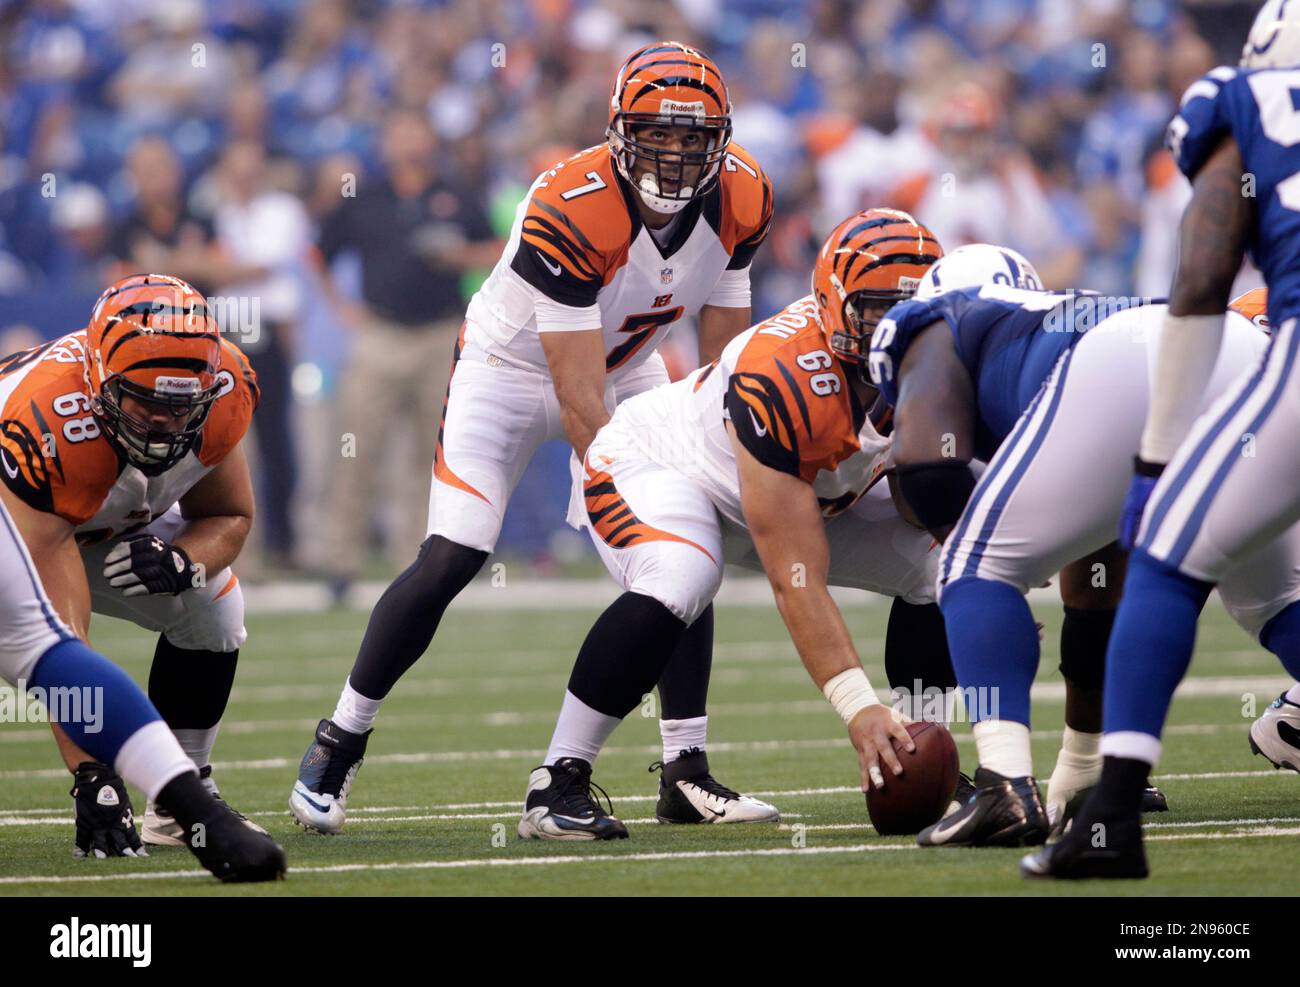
[
  {"x": 441, "y": 471},
  {"x": 613, "y": 519}
]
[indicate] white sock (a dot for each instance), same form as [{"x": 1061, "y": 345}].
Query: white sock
[
  {"x": 1003, "y": 746},
  {"x": 150, "y": 758},
  {"x": 1293, "y": 694},
  {"x": 198, "y": 743},
  {"x": 682, "y": 735},
  {"x": 355, "y": 713},
  {"x": 580, "y": 731},
  {"x": 1133, "y": 745},
  {"x": 1079, "y": 743}
]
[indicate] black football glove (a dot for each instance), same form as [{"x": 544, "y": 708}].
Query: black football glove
[
  {"x": 105, "y": 820},
  {"x": 145, "y": 564}
]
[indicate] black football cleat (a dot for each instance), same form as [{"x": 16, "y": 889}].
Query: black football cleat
[
  {"x": 961, "y": 794},
  {"x": 558, "y": 805},
  {"x": 1001, "y": 812},
  {"x": 1154, "y": 800},
  {"x": 233, "y": 851},
  {"x": 688, "y": 793},
  {"x": 1099, "y": 844}
]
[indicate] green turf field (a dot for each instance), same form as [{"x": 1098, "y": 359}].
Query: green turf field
[{"x": 434, "y": 809}]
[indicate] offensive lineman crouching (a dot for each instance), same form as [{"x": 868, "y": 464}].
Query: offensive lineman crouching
[
  {"x": 768, "y": 457},
  {"x": 126, "y": 481}
]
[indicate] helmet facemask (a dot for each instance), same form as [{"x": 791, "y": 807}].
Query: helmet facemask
[
  {"x": 669, "y": 168},
  {"x": 149, "y": 449}
]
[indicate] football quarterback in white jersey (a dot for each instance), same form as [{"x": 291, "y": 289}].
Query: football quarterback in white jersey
[{"x": 608, "y": 251}]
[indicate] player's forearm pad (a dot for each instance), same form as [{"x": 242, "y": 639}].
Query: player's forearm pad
[{"x": 936, "y": 492}]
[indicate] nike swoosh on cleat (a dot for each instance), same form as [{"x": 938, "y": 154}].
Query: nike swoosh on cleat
[
  {"x": 587, "y": 823},
  {"x": 943, "y": 829},
  {"x": 315, "y": 805},
  {"x": 1289, "y": 734}
]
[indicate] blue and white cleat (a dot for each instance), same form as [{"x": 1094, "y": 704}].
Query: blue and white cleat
[
  {"x": 1276, "y": 734},
  {"x": 319, "y": 799},
  {"x": 558, "y": 805}
]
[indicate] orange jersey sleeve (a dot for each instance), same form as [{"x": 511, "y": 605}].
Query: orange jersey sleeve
[
  {"x": 746, "y": 205},
  {"x": 53, "y": 455},
  {"x": 791, "y": 406},
  {"x": 576, "y": 230},
  {"x": 232, "y": 411}
]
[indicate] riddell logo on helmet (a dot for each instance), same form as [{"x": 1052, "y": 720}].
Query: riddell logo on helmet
[
  {"x": 674, "y": 108},
  {"x": 908, "y": 284},
  {"x": 177, "y": 385}
]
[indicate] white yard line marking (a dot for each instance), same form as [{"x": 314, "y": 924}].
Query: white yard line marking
[
  {"x": 726, "y": 747},
  {"x": 1045, "y": 692},
  {"x": 509, "y": 809},
  {"x": 596, "y": 858}
]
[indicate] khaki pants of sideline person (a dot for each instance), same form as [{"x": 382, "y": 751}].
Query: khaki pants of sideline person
[{"x": 392, "y": 389}]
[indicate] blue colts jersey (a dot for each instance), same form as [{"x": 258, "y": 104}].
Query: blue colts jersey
[
  {"x": 1260, "y": 110},
  {"x": 1007, "y": 338}
]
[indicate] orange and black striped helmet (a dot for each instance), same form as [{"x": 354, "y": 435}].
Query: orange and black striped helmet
[
  {"x": 873, "y": 259},
  {"x": 668, "y": 84},
  {"x": 153, "y": 345}
]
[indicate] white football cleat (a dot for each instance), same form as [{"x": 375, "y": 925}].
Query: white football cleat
[
  {"x": 319, "y": 800},
  {"x": 689, "y": 794},
  {"x": 1276, "y": 734},
  {"x": 161, "y": 829}
]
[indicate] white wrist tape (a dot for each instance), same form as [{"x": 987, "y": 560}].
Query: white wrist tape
[
  {"x": 850, "y": 693},
  {"x": 1184, "y": 360}
]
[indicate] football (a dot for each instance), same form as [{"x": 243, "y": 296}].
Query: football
[{"x": 913, "y": 800}]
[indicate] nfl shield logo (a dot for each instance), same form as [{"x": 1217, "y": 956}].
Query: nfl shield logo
[{"x": 666, "y": 275}]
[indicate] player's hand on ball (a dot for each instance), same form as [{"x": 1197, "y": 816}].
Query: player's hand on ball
[
  {"x": 871, "y": 731},
  {"x": 145, "y": 564},
  {"x": 105, "y": 820}
]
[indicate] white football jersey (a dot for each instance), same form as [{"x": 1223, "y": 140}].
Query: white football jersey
[
  {"x": 579, "y": 249},
  {"x": 790, "y": 403}
]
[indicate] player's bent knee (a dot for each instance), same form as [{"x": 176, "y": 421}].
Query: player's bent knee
[
  {"x": 992, "y": 576},
  {"x": 1084, "y": 637},
  {"x": 213, "y": 624},
  {"x": 440, "y": 571},
  {"x": 22, "y": 645},
  {"x": 204, "y": 635},
  {"x": 681, "y": 577}
]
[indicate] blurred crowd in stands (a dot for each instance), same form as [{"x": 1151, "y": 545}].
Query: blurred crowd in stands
[{"x": 250, "y": 145}]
